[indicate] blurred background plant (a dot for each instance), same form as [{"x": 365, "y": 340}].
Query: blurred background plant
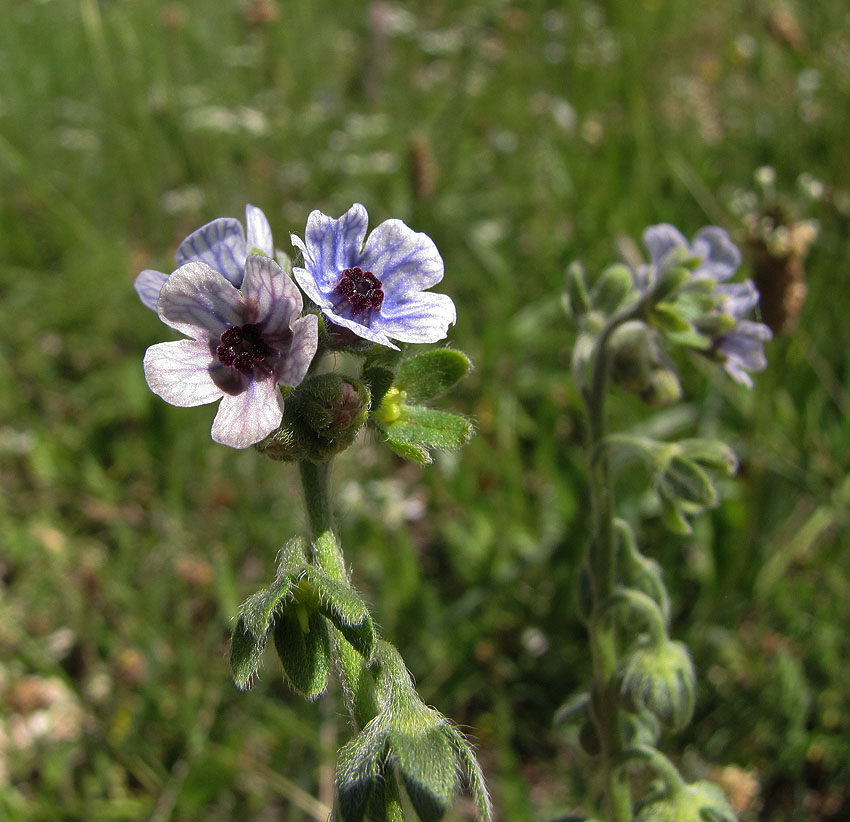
[{"x": 518, "y": 136}]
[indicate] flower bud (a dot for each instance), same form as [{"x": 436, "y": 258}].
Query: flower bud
[
  {"x": 321, "y": 418},
  {"x": 698, "y": 802},
  {"x": 659, "y": 678},
  {"x": 614, "y": 286},
  {"x": 576, "y": 298}
]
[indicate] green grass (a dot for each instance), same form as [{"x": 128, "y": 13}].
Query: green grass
[{"x": 543, "y": 133}]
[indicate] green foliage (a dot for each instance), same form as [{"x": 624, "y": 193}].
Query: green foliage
[
  {"x": 144, "y": 120},
  {"x": 426, "y": 376}
]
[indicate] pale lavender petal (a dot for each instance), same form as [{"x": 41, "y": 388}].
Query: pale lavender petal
[
  {"x": 179, "y": 372},
  {"x": 330, "y": 246},
  {"x": 259, "y": 231},
  {"x": 270, "y": 297},
  {"x": 661, "y": 239},
  {"x": 199, "y": 302},
  {"x": 245, "y": 419},
  {"x": 309, "y": 285},
  {"x": 148, "y": 285},
  {"x": 744, "y": 349},
  {"x": 305, "y": 340},
  {"x": 720, "y": 256},
  {"x": 220, "y": 244},
  {"x": 421, "y": 317},
  {"x": 739, "y": 298},
  {"x": 402, "y": 259},
  {"x": 364, "y": 331}
]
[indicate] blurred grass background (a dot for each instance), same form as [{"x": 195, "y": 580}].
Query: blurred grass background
[{"x": 519, "y": 135}]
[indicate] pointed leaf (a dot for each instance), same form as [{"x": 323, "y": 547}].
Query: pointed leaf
[
  {"x": 667, "y": 318},
  {"x": 430, "y": 428},
  {"x": 292, "y": 557},
  {"x": 711, "y": 453},
  {"x": 432, "y": 373},
  {"x": 409, "y": 451},
  {"x": 426, "y": 764},
  {"x": 251, "y": 630},
  {"x": 358, "y": 771},
  {"x": 343, "y": 606},
  {"x": 304, "y": 654},
  {"x": 471, "y": 771},
  {"x": 673, "y": 518},
  {"x": 685, "y": 481}
]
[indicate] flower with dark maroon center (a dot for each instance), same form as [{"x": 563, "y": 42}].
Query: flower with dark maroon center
[
  {"x": 361, "y": 289},
  {"x": 375, "y": 287},
  {"x": 243, "y": 347},
  {"x": 243, "y": 344}
]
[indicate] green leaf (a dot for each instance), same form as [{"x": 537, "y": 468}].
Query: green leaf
[
  {"x": 710, "y": 453},
  {"x": 427, "y": 375},
  {"x": 251, "y": 630},
  {"x": 359, "y": 771},
  {"x": 409, "y": 451},
  {"x": 430, "y": 428},
  {"x": 379, "y": 371},
  {"x": 673, "y": 518},
  {"x": 292, "y": 558},
  {"x": 471, "y": 771},
  {"x": 303, "y": 644},
  {"x": 683, "y": 480},
  {"x": 343, "y": 606},
  {"x": 667, "y": 318},
  {"x": 426, "y": 764}
]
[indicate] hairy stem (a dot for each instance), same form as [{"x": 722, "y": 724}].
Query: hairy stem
[
  {"x": 357, "y": 683},
  {"x": 600, "y": 560}
]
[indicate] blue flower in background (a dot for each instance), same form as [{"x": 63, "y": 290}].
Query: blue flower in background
[
  {"x": 375, "y": 286},
  {"x": 243, "y": 343},
  {"x": 221, "y": 244},
  {"x": 719, "y": 256},
  {"x": 742, "y": 348}
]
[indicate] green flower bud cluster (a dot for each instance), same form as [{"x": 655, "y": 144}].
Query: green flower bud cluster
[{"x": 697, "y": 802}]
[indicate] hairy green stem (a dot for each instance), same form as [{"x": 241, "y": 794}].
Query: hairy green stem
[
  {"x": 357, "y": 683},
  {"x": 600, "y": 560}
]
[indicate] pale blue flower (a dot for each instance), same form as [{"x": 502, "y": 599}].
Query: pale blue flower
[
  {"x": 374, "y": 287},
  {"x": 243, "y": 343},
  {"x": 719, "y": 257},
  {"x": 221, "y": 244},
  {"x": 741, "y": 349}
]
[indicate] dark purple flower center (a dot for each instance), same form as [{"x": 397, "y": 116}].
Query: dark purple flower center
[
  {"x": 360, "y": 289},
  {"x": 243, "y": 347}
]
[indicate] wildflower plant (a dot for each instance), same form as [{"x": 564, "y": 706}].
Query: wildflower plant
[
  {"x": 629, "y": 326},
  {"x": 254, "y": 344}
]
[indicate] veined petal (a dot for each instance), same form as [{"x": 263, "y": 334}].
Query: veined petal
[
  {"x": 269, "y": 296},
  {"x": 305, "y": 340},
  {"x": 199, "y": 302},
  {"x": 330, "y": 246},
  {"x": 720, "y": 256},
  {"x": 246, "y": 418},
  {"x": 402, "y": 259},
  {"x": 220, "y": 244},
  {"x": 179, "y": 372},
  {"x": 661, "y": 239},
  {"x": 148, "y": 285},
  {"x": 309, "y": 286},
  {"x": 259, "y": 231},
  {"x": 421, "y": 317},
  {"x": 364, "y": 331}
]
